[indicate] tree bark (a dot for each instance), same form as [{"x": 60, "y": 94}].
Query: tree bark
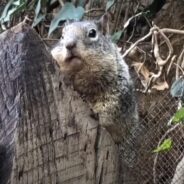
[{"x": 48, "y": 134}]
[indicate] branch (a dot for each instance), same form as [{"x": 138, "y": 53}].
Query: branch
[
  {"x": 161, "y": 31},
  {"x": 94, "y": 9},
  {"x": 178, "y": 63},
  {"x": 138, "y": 41},
  {"x": 131, "y": 18},
  {"x": 172, "y": 61},
  {"x": 176, "y": 31},
  {"x": 168, "y": 43},
  {"x": 154, "y": 31},
  {"x": 61, "y": 2}
]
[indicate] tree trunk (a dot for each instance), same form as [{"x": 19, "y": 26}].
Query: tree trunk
[{"x": 46, "y": 130}]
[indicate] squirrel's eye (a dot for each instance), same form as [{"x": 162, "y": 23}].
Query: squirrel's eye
[{"x": 92, "y": 33}]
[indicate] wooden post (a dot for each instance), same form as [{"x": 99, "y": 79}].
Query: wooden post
[{"x": 49, "y": 133}]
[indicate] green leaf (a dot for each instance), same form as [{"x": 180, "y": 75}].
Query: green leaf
[
  {"x": 177, "y": 88},
  {"x": 38, "y": 19},
  {"x": 178, "y": 116},
  {"x": 21, "y": 7},
  {"x": 10, "y": 12},
  {"x": 38, "y": 7},
  {"x": 109, "y": 4},
  {"x": 165, "y": 146},
  {"x": 5, "y": 11},
  {"x": 16, "y": 3},
  {"x": 68, "y": 11},
  {"x": 116, "y": 36},
  {"x": 11, "y": 8},
  {"x": 38, "y": 16}
]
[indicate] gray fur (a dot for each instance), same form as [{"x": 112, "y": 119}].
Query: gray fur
[{"x": 101, "y": 76}]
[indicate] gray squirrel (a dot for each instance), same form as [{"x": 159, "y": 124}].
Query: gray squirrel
[{"x": 86, "y": 55}]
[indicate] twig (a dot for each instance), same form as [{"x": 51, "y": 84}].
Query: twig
[
  {"x": 132, "y": 34},
  {"x": 118, "y": 15},
  {"x": 176, "y": 31},
  {"x": 170, "y": 36},
  {"x": 26, "y": 18},
  {"x": 179, "y": 63},
  {"x": 156, "y": 76},
  {"x": 138, "y": 41},
  {"x": 124, "y": 21},
  {"x": 159, "y": 60},
  {"x": 162, "y": 31},
  {"x": 172, "y": 61},
  {"x": 179, "y": 68},
  {"x": 154, "y": 32},
  {"x": 61, "y": 3},
  {"x": 168, "y": 43},
  {"x": 156, "y": 48},
  {"x": 94, "y": 9},
  {"x": 131, "y": 18}
]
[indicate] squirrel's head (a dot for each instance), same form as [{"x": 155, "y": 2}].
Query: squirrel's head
[{"x": 85, "y": 46}]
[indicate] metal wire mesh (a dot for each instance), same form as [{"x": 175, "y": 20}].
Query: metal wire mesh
[{"x": 140, "y": 164}]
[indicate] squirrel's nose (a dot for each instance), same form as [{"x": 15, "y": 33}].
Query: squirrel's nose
[{"x": 70, "y": 45}]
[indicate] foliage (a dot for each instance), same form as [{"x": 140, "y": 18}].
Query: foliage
[
  {"x": 40, "y": 10},
  {"x": 109, "y": 4},
  {"x": 116, "y": 36},
  {"x": 47, "y": 15},
  {"x": 177, "y": 88},
  {"x": 68, "y": 11},
  {"x": 178, "y": 116},
  {"x": 165, "y": 146},
  {"x": 54, "y": 13},
  {"x": 38, "y": 15},
  {"x": 12, "y": 7}
]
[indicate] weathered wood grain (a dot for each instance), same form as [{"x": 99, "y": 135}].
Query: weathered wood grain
[{"x": 54, "y": 133}]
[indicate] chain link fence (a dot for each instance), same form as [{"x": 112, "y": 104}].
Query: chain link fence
[{"x": 141, "y": 165}]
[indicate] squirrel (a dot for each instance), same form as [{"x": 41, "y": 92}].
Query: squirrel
[{"x": 86, "y": 55}]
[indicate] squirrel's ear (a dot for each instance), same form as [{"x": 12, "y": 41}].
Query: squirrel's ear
[{"x": 103, "y": 24}]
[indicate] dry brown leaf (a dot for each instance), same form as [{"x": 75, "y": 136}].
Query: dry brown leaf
[
  {"x": 160, "y": 86},
  {"x": 140, "y": 68}
]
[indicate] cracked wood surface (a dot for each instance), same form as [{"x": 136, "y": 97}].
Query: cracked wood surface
[{"x": 48, "y": 135}]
